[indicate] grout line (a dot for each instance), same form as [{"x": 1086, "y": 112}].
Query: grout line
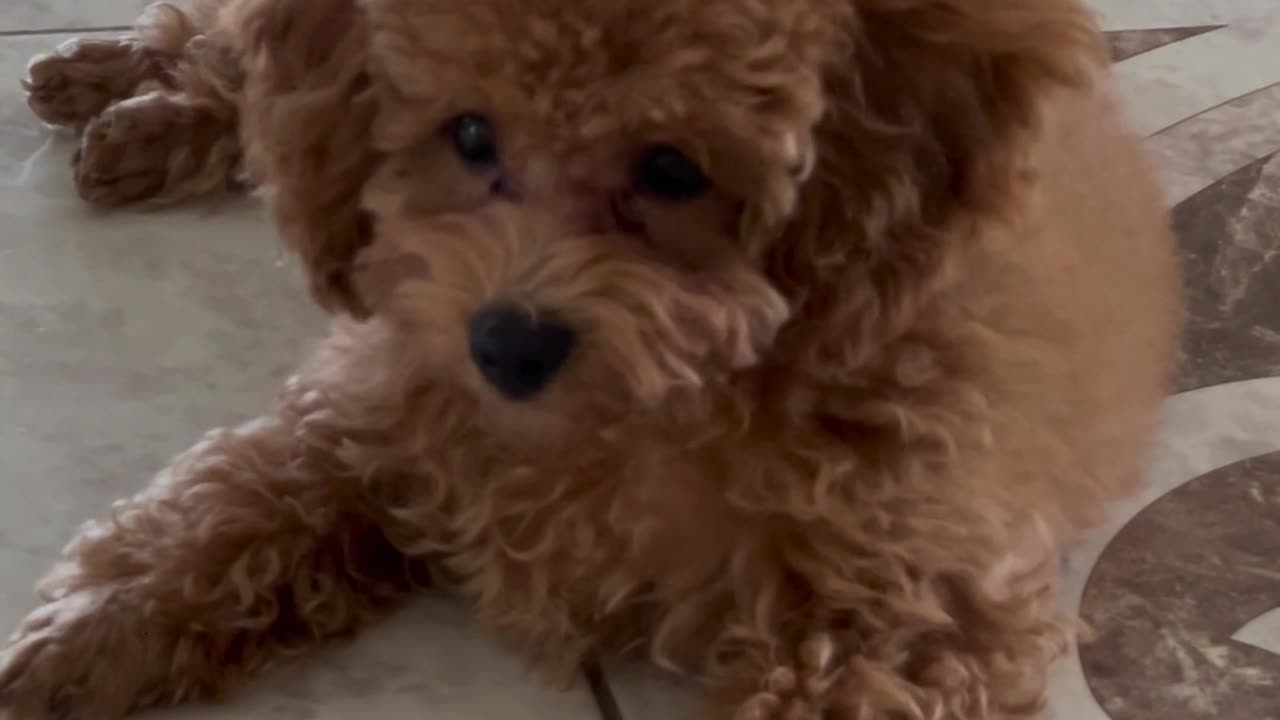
[
  {"x": 65, "y": 31},
  {"x": 606, "y": 703}
]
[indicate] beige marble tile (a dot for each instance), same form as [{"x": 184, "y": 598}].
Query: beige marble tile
[
  {"x": 20, "y": 138},
  {"x": 18, "y": 15},
  {"x": 123, "y": 337},
  {"x": 644, "y": 692},
  {"x": 1262, "y": 632},
  {"x": 1175, "y": 82},
  {"x": 1146, "y": 14}
]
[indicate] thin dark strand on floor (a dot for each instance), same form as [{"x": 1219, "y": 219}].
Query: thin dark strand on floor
[{"x": 606, "y": 703}]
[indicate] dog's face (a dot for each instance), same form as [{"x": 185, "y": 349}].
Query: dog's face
[
  {"x": 580, "y": 209},
  {"x": 574, "y": 200}
]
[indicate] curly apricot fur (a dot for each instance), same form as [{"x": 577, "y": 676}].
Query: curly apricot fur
[{"x": 827, "y": 428}]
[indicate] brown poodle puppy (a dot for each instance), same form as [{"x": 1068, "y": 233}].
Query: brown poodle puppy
[{"x": 782, "y": 341}]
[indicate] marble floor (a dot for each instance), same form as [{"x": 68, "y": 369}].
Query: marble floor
[{"x": 125, "y": 335}]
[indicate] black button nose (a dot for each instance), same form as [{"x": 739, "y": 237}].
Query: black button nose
[{"x": 517, "y": 351}]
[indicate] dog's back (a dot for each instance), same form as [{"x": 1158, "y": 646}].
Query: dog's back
[{"x": 1082, "y": 301}]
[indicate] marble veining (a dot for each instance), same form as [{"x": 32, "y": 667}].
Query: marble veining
[{"x": 1230, "y": 235}]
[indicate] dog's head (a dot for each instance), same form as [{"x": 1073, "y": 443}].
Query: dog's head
[{"x": 591, "y": 207}]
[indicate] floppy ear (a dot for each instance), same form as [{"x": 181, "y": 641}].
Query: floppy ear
[
  {"x": 306, "y": 116},
  {"x": 931, "y": 106}
]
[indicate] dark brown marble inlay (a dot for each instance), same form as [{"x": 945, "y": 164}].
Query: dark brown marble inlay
[
  {"x": 1128, "y": 43},
  {"x": 1230, "y": 241},
  {"x": 1172, "y": 589}
]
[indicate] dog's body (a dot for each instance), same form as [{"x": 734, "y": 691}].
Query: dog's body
[{"x": 820, "y": 438}]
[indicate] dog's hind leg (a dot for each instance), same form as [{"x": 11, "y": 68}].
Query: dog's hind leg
[
  {"x": 78, "y": 80},
  {"x": 71, "y": 85},
  {"x": 156, "y": 108},
  {"x": 159, "y": 148},
  {"x": 250, "y": 545}
]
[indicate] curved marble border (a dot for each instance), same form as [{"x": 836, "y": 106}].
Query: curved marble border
[
  {"x": 1194, "y": 569},
  {"x": 1205, "y": 148},
  {"x": 1203, "y": 430}
]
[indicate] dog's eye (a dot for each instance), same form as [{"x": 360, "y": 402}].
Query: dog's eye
[
  {"x": 474, "y": 140},
  {"x": 665, "y": 173}
]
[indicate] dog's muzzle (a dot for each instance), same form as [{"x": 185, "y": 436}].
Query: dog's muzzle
[{"x": 517, "y": 351}]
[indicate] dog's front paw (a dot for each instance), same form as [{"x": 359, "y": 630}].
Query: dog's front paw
[{"x": 77, "y": 658}]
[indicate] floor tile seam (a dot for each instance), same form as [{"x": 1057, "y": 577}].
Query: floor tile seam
[{"x": 35, "y": 32}]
